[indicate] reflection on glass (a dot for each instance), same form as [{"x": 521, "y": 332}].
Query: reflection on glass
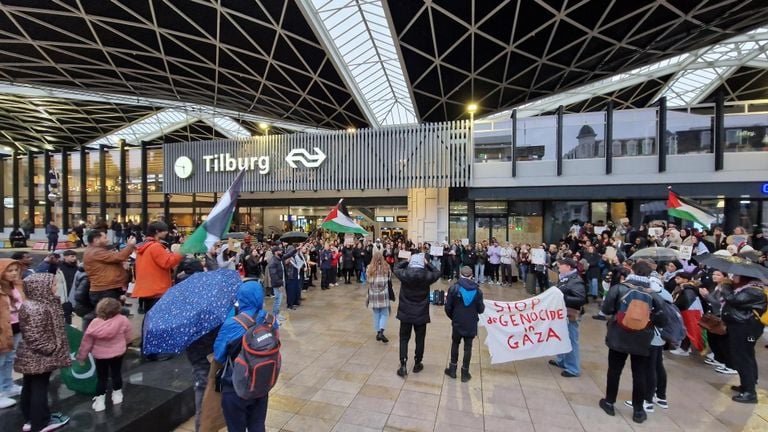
[
  {"x": 526, "y": 229},
  {"x": 688, "y": 133},
  {"x": 457, "y": 227},
  {"x": 499, "y": 229},
  {"x": 746, "y": 132},
  {"x": 485, "y": 207},
  {"x": 536, "y": 138},
  {"x": 599, "y": 211},
  {"x": 565, "y": 213},
  {"x": 583, "y": 136},
  {"x": 634, "y": 133}
]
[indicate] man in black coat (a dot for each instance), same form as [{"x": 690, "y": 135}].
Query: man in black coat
[
  {"x": 575, "y": 296},
  {"x": 415, "y": 277}
]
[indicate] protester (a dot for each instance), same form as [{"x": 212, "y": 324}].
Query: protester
[
  {"x": 49, "y": 264},
  {"x": 106, "y": 338},
  {"x": 294, "y": 263},
  {"x": 42, "y": 350},
  {"x": 635, "y": 344},
  {"x": 415, "y": 277},
  {"x": 104, "y": 267},
  {"x": 154, "y": 263},
  {"x": 241, "y": 414},
  {"x": 327, "y": 272},
  {"x": 379, "y": 279},
  {"x": 575, "y": 296},
  {"x": 52, "y": 233},
  {"x": 720, "y": 358},
  {"x": 25, "y": 261},
  {"x": 276, "y": 268},
  {"x": 68, "y": 268},
  {"x": 463, "y": 304},
  {"x": 10, "y": 302}
]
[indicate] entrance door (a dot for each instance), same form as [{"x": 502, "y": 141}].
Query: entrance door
[{"x": 488, "y": 227}]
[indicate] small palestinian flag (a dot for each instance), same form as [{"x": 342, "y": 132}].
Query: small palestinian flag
[
  {"x": 218, "y": 221},
  {"x": 685, "y": 208},
  {"x": 338, "y": 220}
]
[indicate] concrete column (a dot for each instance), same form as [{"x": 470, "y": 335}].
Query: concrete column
[{"x": 428, "y": 215}]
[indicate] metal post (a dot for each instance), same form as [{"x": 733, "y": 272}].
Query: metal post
[
  {"x": 83, "y": 184},
  {"x": 559, "y": 140},
  {"x": 64, "y": 190},
  {"x": 31, "y": 188},
  {"x": 47, "y": 216},
  {"x": 719, "y": 132},
  {"x": 103, "y": 182},
  {"x": 123, "y": 181},
  {"x": 144, "y": 191},
  {"x": 471, "y": 234},
  {"x": 609, "y": 138},
  {"x": 167, "y": 208},
  {"x": 514, "y": 142},
  {"x": 661, "y": 134},
  {"x": 2, "y": 193},
  {"x": 16, "y": 192}
]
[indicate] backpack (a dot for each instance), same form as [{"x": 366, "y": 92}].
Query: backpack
[
  {"x": 764, "y": 317},
  {"x": 634, "y": 309},
  {"x": 257, "y": 366},
  {"x": 437, "y": 297},
  {"x": 674, "y": 331}
]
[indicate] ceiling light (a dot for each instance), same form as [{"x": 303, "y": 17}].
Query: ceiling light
[{"x": 472, "y": 108}]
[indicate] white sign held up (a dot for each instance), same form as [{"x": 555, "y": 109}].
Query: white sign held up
[
  {"x": 436, "y": 251},
  {"x": 686, "y": 252},
  {"x": 529, "y": 328}
]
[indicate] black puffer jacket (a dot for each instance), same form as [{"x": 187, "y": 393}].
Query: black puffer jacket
[
  {"x": 631, "y": 342},
  {"x": 414, "y": 292},
  {"x": 741, "y": 304},
  {"x": 574, "y": 291},
  {"x": 81, "y": 294}
]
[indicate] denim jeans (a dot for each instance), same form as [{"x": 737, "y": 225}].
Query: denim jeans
[
  {"x": 278, "y": 291},
  {"x": 594, "y": 285},
  {"x": 523, "y": 272},
  {"x": 571, "y": 361},
  {"x": 242, "y": 415},
  {"x": 6, "y": 365},
  {"x": 480, "y": 272},
  {"x": 380, "y": 316}
]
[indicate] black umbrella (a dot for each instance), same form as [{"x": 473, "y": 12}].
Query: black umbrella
[
  {"x": 735, "y": 265},
  {"x": 235, "y": 235},
  {"x": 294, "y": 237}
]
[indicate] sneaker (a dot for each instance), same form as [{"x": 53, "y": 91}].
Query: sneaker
[
  {"x": 661, "y": 402},
  {"x": 99, "y": 404},
  {"x": 14, "y": 391},
  {"x": 647, "y": 406},
  {"x": 117, "y": 397},
  {"x": 27, "y": 427},
  {"x": 56, "y": 422},
  {"x": 712, "y": 362},
  {"x": 6, "y": 402},
  {"x": 639, "y": 416},
  {"x": 607, "y": 407},
  {"x": 725, "y": 370},
  {"x": 680, "y": 352}
]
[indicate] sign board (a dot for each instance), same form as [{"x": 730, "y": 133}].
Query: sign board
[
  {"x": 610, "y": 252},
  {"x": 738, "y": 239},
  {"x": 465, "y": 242},
  {"x": 402, "y": 218},
  {"x": 600, "y": 229},
  {"x": 686, "y": 252},
  {"x": 436, "y": 251},
  {"x": 539, "y": 256},
  {"x": 764, "y": 189},
  {"x": 657, "y": 232},
  {"x": 404, "y": 254},
  {"x": 529, "y": 328},
  {"x": 349, "y": 238}
]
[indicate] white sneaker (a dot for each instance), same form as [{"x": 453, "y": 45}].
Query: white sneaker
[
  {"x": 680, "y": 352},
  {"x": 13, "y": 392},
  {"x": 98, "y": 403},
  {"x": 56, "y": 422},
  {"x": 660, "y": 402},
  {"x": 117, "y": 397},
  {"x": 6, "y": 402},
  {"x": 712, "y": 362},
  {"x": 726, "y": 370},
  {"x": 647, "y": 406},
  {"x": 27, "y": 427}
]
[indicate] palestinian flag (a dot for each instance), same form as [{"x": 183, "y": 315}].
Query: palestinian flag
[
  {"x": 685, "y": 208},
  {"x": 691, "y": 318},
  {"x": 218, "y": 221},
  {"x": 338, "y": 220}
]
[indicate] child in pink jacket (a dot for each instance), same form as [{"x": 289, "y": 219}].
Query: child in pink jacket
[{"x": 107, "y": 338}]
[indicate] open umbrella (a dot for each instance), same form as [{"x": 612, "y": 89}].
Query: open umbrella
[
  {"x": 735, "y": 265},
  {"x": 235, "y": 235},
  {"x": 657, "y": 254},
  {"x": 189, "y": 310},
  {"x": 294, "y": 237}
]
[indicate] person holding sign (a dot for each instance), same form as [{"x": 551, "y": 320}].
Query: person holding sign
[
  {"x": 575, "y": 296},
  {"x": 463, "y": 304},
  {"x": 416, "y": 276}
]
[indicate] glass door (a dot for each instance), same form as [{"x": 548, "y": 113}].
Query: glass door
[{"x": 488, "y": 227}]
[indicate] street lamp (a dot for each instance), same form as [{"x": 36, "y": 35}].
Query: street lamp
[
  {"x": 471, "y": 109},
  {"x": 264, "y": 127}
]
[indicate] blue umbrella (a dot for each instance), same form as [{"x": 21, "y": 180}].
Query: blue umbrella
[{"x": 189, "y": 310}]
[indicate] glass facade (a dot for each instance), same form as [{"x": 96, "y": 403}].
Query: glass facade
[
  {"x": 584, "y": 136},
  {"x": 8, "y": 191}
]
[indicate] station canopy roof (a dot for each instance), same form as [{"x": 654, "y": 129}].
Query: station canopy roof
[{"x": 76, "y": 73}]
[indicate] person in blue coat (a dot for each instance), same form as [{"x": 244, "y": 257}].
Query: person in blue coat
[{"x": 240, "y": 414}]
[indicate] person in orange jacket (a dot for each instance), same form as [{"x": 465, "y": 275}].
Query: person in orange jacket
[{"x": 154, "y": 263}]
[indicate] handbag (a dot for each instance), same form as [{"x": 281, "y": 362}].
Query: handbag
[
  {"x": 390, "y": 290},
  {"x": 713, "y": 324}
]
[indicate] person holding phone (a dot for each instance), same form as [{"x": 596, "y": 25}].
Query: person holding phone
[{"x": 104, "y": 266}]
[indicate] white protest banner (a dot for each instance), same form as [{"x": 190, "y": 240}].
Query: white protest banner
[
  {"x": 600, "y": 229},
  {"x": 465, "y": 242},
  {"x": 529, "y": 328},
  {"x": 404, "y": 254},
  {"x": 686, "y": 252},
  {"x": 349, "y": 238},
  {"x": 656, "y": 232},
  {"x": 436, "y": 251},
  {"x": 539, "y": 256}
]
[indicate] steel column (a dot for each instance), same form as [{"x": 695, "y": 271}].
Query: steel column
[
  {"x": 64, "y": 191},
  {"x": 719, "y": 132},
  {"x": 609, "y": 138}
]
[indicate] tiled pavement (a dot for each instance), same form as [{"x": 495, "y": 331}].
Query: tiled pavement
[{"x": 337, "y": 377}]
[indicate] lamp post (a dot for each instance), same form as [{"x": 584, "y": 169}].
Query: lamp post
[
  {"x": 264, "y": 127},
  {"x": 471, "y": 109}
]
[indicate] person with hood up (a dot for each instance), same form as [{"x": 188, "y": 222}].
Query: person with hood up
[
  {"x": 10, "y": 302},
  {"x": 463, "y": 304},
  {"x": 240, "y": 414},
  {"x": 415, "y": 277},
  {"x": 42, "y": 350},
  {"x": 106, "y": 338}
]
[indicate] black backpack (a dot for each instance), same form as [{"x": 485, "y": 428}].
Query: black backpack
[{"x": 437, "y": 297}]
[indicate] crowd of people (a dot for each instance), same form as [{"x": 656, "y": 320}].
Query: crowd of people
[{"x": 592, "y": 262}]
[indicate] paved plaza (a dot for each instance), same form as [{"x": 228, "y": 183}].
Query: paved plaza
[{"x": 337, "y": 377}]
